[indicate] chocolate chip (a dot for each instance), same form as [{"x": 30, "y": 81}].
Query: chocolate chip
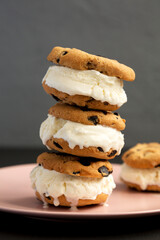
[
  {"x": 100, "y": 149},
  {"x": 94, "y": 119},
  {"x": 85, "y": 162},
  {"x": 56, "y": 98},
  {"x": 48, "y": 197},
  {"x": 39, "y": 164},
  {"x": 157, "y": 166},
  {"x": 57, "y": 145},
  {"x": 58, "y": 59},
  {"x": 105, "y": 103},
  {"x": 115, "y": 113},
  {"x": 112, "y": 153},
  {"x": 64, "y": 53},
  {"x": 104, "y": 112},
  {"x": 127, "y": 155},
  {"x": 76, "y": 172},
  {"x": 104, "y": 171},
  {"x": 90, "y": 65}
]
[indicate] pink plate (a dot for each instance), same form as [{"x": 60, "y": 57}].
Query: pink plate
[{"x": 16, "y": 195}]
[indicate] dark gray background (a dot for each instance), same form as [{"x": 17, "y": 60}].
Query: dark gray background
[{"x": 126, "y": 30}]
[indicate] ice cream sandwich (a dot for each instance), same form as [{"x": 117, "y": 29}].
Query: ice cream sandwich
[
  {"x": 83, "y": 132},
  {"x": 86, "y": 80},
  {"x": 64, "y": 180},
  {"x": 141, "y": 167}
]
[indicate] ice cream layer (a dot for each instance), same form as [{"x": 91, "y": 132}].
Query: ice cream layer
[
  {"x": 55, "y": 184},
  {"x": 82, "y": 135},
  {"x": 87, "y": 83},
  {"x": 142, "y": 177}
]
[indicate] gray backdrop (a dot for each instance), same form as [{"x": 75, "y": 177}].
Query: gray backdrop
[{"x": 126, "y": 30}]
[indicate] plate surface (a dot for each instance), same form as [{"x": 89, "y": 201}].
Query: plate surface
[{"x": 16, "y": 195}]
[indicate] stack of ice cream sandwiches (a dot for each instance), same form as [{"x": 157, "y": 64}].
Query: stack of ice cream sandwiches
[{"x": 81, "y": 129}]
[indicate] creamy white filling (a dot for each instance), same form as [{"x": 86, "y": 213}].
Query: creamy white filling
[
  {"x": 87, "y": 83},
  {"x": 82, "y": 135},
  {"x": 141, "y": 177},
  {"x": 55, "y": 184}
]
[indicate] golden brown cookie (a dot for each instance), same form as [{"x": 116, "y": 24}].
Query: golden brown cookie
[
  {"x": 61, "y": 145},
  {"x": 80, "y": 100},
  {"x": 101, "y": 198},
  {"x": 143, "y": 155},
  {"x": 80, "y": 60},
  {"x": 73, "y": 165},
  {"x": 87, "y": 117},
  {"x": 152, "y": 188}
]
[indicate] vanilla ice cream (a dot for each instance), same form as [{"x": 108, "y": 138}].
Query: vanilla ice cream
[
  {"x": 142, "y": 177},
  {"x": 87, "y": 83},
  {"x": 82, "y": 135},
  {"x": 55, "y": 184}
]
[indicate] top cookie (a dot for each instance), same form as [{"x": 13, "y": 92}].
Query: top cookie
[
  {"x": 143, "y": 155},
  {"x": 80, "y": 60},
  {"x": 73, "y": 165},
  {"x": 87, "y": 116}
]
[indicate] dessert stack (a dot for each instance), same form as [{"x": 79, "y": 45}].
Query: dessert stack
[{"x": 81, "y": 129}]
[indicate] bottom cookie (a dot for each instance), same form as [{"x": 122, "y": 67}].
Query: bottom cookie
[
  {"x": 62, "y": 201},
  {"x": 79, "y": 100},
  {"x": 61, "y": 145},
  {"x": 140, "y": 178},
  {"x": 155, "y": 188},
  {"x": 66, "y": 190}
]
